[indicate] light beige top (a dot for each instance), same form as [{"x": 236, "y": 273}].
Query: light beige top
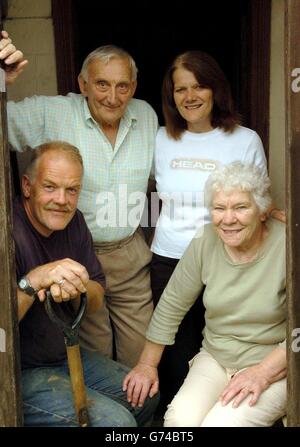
[{"x": 245, "y": 303}]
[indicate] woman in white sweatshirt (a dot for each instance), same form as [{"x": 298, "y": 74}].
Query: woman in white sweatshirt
[{"x": 201, "y": 133}]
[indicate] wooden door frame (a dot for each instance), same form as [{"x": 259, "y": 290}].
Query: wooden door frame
[
  {"x": 10, "y": 382},
  {"x": 65, "y": 39},
  {"x": 255, "y": 68},
  {"x": 292, "y": 64}
]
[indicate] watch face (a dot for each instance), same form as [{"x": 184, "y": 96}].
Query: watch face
[
  {"x": 25, "y": 286},
  {"x": 23, "y": 283}
]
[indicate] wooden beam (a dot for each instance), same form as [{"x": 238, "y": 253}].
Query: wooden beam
[
  {"x": 65, "y": 46},
  {"x": 10, "y": 396},
  {"x": 260, "y": 18},
  {"x": 255, "y": 67},
  {"x": 292, "y": 51}
]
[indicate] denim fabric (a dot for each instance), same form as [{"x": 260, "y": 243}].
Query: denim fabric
[{"x": 48, "y": 400}]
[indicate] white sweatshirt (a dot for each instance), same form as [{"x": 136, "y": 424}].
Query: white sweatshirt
[{"x": 181, "y": 170}]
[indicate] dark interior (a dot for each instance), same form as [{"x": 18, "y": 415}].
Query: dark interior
[{"x": 154, "y": 32}]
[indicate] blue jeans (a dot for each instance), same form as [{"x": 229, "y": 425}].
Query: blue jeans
[{"x": 48, "y": 400}]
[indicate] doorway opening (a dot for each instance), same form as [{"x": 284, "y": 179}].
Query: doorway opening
[{"x": 235, "y": 33}]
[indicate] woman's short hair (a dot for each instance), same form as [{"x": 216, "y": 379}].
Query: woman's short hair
[
  {"x": 208, "y": 74},
  {"x": 241, "y": 177},
  {"x": 58, "y": 146},
  {"x": 105, "y": 53}
]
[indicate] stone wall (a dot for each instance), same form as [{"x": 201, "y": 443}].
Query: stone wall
[{"x": 29, "y": 24}]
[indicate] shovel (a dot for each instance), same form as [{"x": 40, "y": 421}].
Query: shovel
[{"x": 71, "y": 336}]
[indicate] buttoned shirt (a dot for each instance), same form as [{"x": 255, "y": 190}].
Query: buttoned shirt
[{"x": 115, "y": 178}]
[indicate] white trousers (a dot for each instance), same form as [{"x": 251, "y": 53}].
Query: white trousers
[{"x": 196, "y": 403}]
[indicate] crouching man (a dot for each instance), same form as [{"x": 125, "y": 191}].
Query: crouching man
[{"x": 54, "y": 250}]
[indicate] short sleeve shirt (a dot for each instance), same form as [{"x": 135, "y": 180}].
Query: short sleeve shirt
[{"x": 42, "y": 343}]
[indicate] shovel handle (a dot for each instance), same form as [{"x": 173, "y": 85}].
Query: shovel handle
[
  {"x": 77, "y": 381},
  {"x": 70, "y": 330}
]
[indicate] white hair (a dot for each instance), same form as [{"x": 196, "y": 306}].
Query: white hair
[
  {"x": 242, "y": 177},
  {"x": 105, "y": 54}
]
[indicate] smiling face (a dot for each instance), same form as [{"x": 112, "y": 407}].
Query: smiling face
[
  {"x": 108, "y": 89},
  {"x": 194, "y": 102},
  {"x": 51, "y": 196},
  {"x": 237, "y": 219}
]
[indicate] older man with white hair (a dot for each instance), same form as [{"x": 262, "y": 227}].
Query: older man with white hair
[{"x": 115, "y": 134}]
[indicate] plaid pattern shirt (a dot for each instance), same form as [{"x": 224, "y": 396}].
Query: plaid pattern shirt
[{"x": 115, "y": 179}]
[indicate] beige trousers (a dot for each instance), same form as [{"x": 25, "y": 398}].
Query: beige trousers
[
  {"x": 196, "y": 403},
  {"x": 128, "y": 306}
]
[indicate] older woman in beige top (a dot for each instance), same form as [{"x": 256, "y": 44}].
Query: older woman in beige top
[{"x": 239, "y": 376}]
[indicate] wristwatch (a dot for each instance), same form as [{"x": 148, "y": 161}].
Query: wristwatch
[{"x": 25, "y": 286}]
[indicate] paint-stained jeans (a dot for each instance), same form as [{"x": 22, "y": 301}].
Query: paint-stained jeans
[{"x": 48, "y": 400}]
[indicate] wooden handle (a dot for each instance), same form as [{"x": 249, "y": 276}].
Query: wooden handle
[{"x": 77, "y": 380}]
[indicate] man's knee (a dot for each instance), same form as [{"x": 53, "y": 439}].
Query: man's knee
[{"x": 123, "y": 419}]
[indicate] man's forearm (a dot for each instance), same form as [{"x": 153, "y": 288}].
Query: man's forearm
[
  {"x": 95, "y": 294},
  {"x": 24, "y": 303}
]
